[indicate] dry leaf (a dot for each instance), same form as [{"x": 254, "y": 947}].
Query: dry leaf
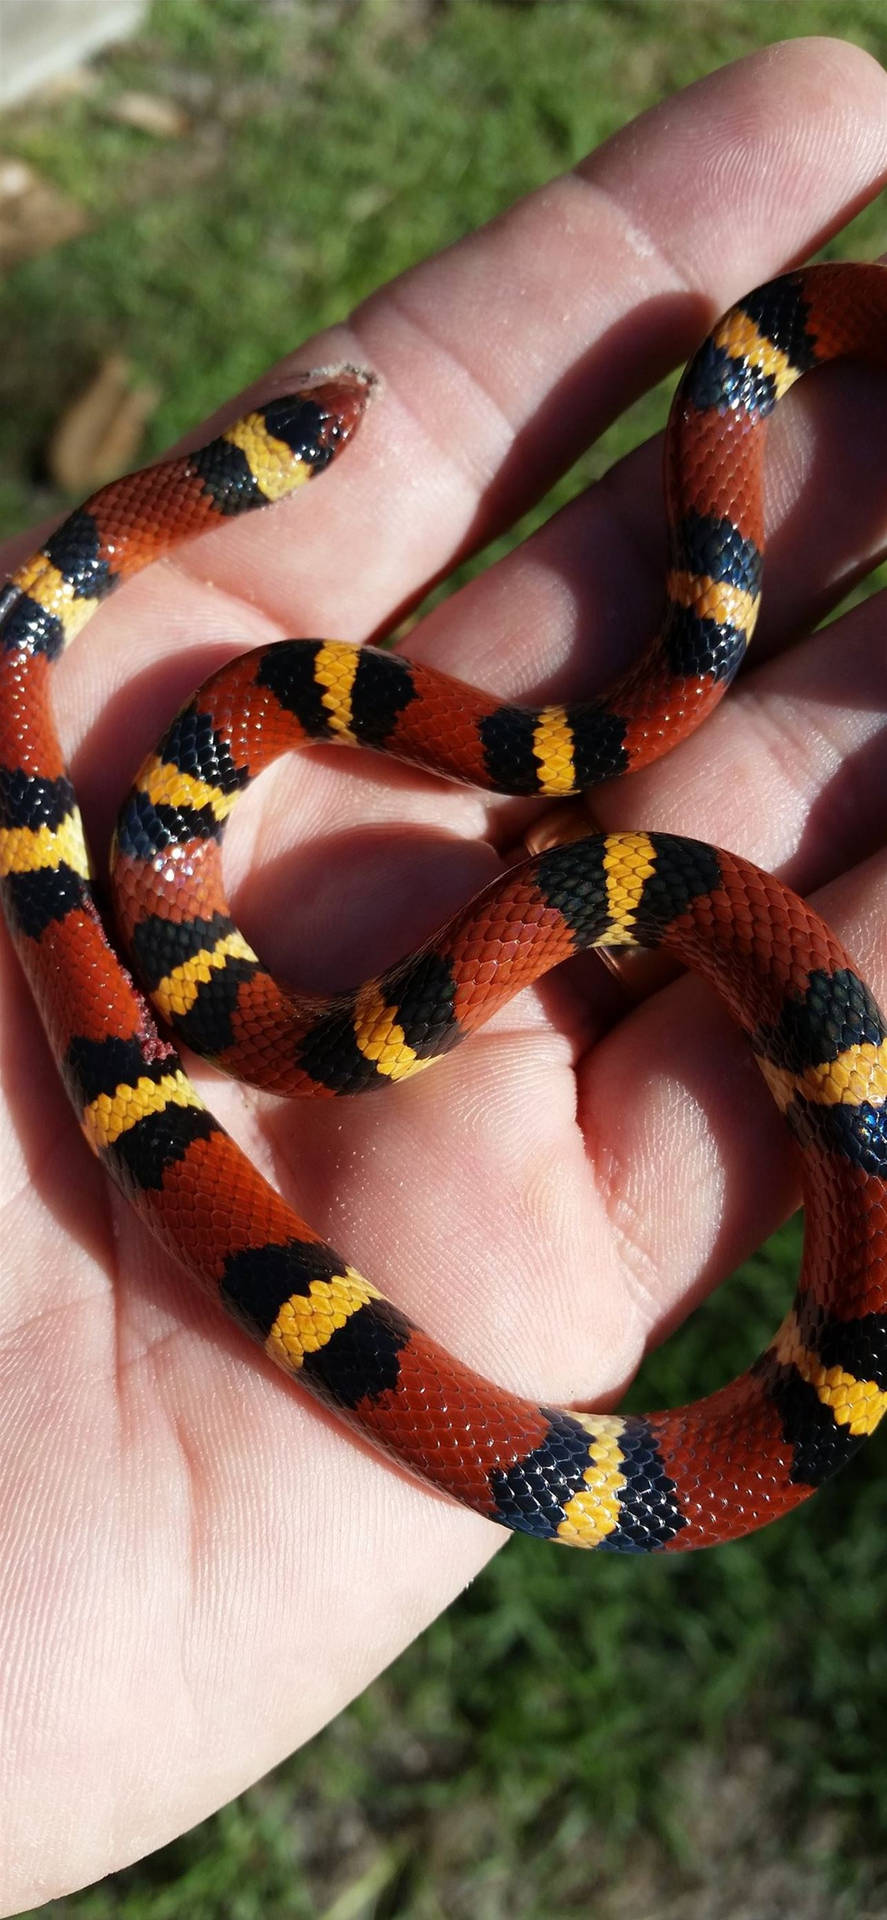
[
  {"x": 34, "y": 216},
  {"x": 99, "y": 434}
]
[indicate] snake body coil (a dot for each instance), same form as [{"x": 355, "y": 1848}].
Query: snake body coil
[{"x": 670, "y": 1480}]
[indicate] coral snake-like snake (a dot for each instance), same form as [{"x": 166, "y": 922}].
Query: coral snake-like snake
[{"x": 670, "y": 1480}]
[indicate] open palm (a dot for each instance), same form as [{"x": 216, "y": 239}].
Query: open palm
[{"x": 199, "y": 1566}]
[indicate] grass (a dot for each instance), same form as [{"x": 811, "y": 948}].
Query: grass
[{"x": 574, "y": 1737}]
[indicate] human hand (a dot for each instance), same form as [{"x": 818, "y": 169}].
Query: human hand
[{"x": 199, "y": 1567}]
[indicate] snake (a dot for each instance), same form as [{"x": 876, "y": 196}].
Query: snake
[{"x": 666, "y": 1481}]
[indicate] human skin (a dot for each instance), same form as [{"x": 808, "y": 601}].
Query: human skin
[{"x": 199, "y": 1567}]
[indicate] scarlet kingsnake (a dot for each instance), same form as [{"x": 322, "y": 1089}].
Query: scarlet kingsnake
[{"x": 666, "y": 1481}]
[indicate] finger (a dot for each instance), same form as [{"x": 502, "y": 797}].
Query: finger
[{"x": 576, "y": 603}]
